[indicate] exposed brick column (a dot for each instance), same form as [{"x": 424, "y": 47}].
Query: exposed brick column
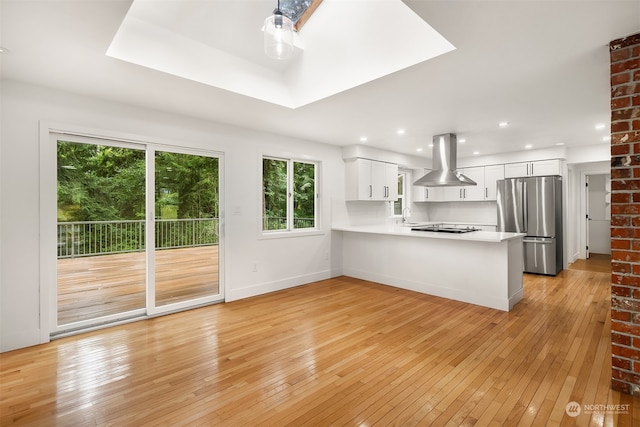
[{"x": 625, "y": 213}]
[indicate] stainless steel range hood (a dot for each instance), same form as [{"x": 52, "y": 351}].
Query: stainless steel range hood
[{"x": 444, "y": 172}]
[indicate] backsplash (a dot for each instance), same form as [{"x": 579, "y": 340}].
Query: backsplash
[
  {"x": 484, "y": 213},
  {"x": 357, "y": 213},
  {"x": 376, "y": 213}
]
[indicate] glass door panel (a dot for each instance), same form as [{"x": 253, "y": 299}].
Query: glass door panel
[
  {"x": 186, "y": 228},
  {"x": 101, "y": 268}
]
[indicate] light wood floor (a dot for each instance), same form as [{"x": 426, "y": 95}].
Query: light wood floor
[
  {"x": 336, "y": 352},
  {"x": 596, "y": 262},
  {"x": 90, "y": 287}
]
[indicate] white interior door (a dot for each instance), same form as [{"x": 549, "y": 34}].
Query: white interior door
[{"x": 599, "y": 213}]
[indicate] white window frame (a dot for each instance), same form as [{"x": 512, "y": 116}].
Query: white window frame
[
  {"x": 290, "y": 231},
  {"x": 405, "y": 202}
]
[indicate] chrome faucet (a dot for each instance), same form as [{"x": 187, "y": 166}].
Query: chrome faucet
[{"x": 406, "y": 213}]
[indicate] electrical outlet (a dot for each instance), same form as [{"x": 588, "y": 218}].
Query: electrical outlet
[{"x": 255, "y": 267}]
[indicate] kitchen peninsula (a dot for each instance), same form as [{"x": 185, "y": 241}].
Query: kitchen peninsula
[{"x": 480, "y": 267}]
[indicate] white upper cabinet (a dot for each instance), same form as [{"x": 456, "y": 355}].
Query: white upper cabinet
[
  {"x": 474, "y": 192},
  {"x": 491, "y": 175},
  {"x": 390, "y": 175},
  {"x": 425, "y": 194},
  {"x": 467, "y": 192},
  {"x": 537, "y": 168},
  {"x": 370, "y": 180}
]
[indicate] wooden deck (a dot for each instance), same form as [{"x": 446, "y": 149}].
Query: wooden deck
[
  {"x": 340, "y": 352},
  {"x": 90, "y": 287}
]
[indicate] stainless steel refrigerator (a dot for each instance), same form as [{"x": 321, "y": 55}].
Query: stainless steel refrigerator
[{"x": 534, "y": 206}]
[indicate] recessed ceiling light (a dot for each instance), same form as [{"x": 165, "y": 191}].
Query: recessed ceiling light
[
  {"x": 599, "y": 126},
  {"x": 559, "y": 143},
  {"x": 503, "y": 124},
  {"x": 430, "y": 145},
  {"x": 475, "y": 153},
  {"x": 528, "y": 146},
  {"x": 4, "y": 50},
  {"x": 418, "y": 149},
  {"x": 606, "y": 138},
  {"x": 462, "y": 140},
  {"x": 400, "y": 131},
  {"x": 363, "y": 139}
]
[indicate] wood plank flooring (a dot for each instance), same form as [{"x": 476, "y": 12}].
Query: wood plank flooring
[
  {"x": 336, "y": 352},
  {"x": 90, "y": 287},
  {"x": 596, "y": 262}
]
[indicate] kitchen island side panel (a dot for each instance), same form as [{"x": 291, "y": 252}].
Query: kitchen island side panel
[{"x": 482, "y": 273}]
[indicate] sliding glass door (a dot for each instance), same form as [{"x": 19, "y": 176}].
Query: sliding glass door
[
  {"x": 186, "y": 227},
  {"x": 137, "y": 231}
]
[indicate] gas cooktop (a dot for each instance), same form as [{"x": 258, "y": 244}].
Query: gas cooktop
[{"x": 441, "y": 229}]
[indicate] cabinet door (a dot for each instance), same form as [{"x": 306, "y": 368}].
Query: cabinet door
[
  {"x": 358, "y": 180},
  {"x": 425, "y": 194},
  {"x": 391, "y": 174},
  {"x": 379, "y": 180},
  {"x": 452, "y": 194},
  {"x": 467, "y": 192},
  {"x": 545, "y": 168},
  {"x": 474, "y": 192},
  {"x": 434, "y": 194},
  {"x": 491, "y": 175},
  {"x": 365, "y": 186},
  {"x": 515, "y": 170}
]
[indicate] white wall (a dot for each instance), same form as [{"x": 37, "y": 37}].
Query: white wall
[{"x": 281, "y": 263}]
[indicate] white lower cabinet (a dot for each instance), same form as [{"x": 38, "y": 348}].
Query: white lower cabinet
[{"x": 371, "y": 180}]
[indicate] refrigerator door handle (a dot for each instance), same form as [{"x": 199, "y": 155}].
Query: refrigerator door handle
[
  {"x": 525, "y": 207},
  {"x": 542, "y": 241}
]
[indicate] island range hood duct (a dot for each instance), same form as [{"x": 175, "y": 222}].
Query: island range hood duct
[{"x": 444, "y": 161}]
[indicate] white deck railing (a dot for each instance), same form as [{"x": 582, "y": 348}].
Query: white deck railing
[{"x": 88, "y": 238}]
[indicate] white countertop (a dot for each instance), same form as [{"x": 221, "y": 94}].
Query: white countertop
[{"x": 400, "y": 230}]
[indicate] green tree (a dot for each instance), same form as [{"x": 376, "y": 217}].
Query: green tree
[
  {"x": 274, "y": 194},
  {"x": 186, "y": 186},
  {"x": 100, "y": 183},
  {"x": 304, "y": 194}
]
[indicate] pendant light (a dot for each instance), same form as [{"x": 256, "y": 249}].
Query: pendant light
[{"x": 278, "y": 35}]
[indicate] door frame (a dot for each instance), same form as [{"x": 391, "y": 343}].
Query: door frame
[
  {"x": 47, "y": 219},
  {"x": 582, "y": 229},
  {"x": 587, "y": 218}
]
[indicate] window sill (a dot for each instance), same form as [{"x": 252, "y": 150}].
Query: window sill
[{"x": 290, "y": 233}]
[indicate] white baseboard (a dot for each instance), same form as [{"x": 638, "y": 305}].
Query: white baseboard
[
  {"x": 278, "y": 285},
  {"x": 16, "y": 340}
]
